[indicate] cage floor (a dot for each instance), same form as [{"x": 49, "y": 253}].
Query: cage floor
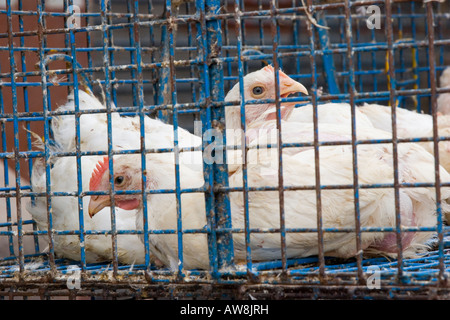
[{"x": 425, "y": 267}]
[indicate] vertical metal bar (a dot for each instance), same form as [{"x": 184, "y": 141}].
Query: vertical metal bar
[
  {"x": 42, "y": 43},
  {"x": 133, "y": 58},
  {"x": 342, "y": 33},
  {"x": 173, "y": 101},
  {"x": 224, "y": 241},
  {"x": 415, "y": 57},
  {"x": 110, "y": 40},
  {"x": 320, "y": 233},
  {"x": 13, "y": 70},
  {"x": 205, "y": 117},
  {"x": 243, "y": 34},
  {"x": 164, "y": 93},
  {"x": 276, "y": 39},
  {"x": 374, "y": 61},
  {"x": 358, "y": 55},
  {"x": 430, "y": 22},
  {"x": 82, "y": 234},
  {"x": 140, "y": 92},
  {"x": 244, "y": 147},
  {"x": 88, "y": 35},
  {"x": 393, "y": 104},
  {"x": 400, "y": 53},
  {"x": 226, "y": 42},
  {"x": 192, "y": 54},
  {"x": 104, "y": 8},
  {"x": 328, "y": 58},
  {"x": 6, "y": 176},
  {"x": 261, "y": 25},
  {"x": 152, "y": 55},
  {"x": 27, "y": 109},
  {"x": 351, "y": 78},
  {"x": 296, "y": 39}
]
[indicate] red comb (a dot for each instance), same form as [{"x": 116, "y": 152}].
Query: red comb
[
  {"x": 268, "y": 68},
  {"x": 97, "y": 174},
  {"x": 283, "y": 75}
]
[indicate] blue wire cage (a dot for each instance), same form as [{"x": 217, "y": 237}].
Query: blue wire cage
[{"x": 176, "y": 60}]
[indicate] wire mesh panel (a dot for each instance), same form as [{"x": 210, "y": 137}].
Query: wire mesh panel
[{"x": 224, "y": 149}]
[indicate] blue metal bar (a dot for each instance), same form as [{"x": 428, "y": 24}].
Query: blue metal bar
[
  {"x": 276, "y": 65},
  {"x": 205, "y": 132},
  {"x": 26, "y": 107},
  {"x": 317, "y": 187},
  {"x": 134, "y": 53},
  {"x": 46, "y": 110},
  {"x": 6, "y": 174},
  {"x": 105, "y": 7},
  {"x": 141, "y": 114},
  {"x": 228, "y": 230},
  {"x": 172, "y": 96},
  {"x": 351, "y": 84},
  {"x": 72, "y": 44},
  {"x": 239, "y": 45},
  {"x": 163, "y": 93},
  {"x": 393, "y": 104},
  {"x": 328, "y": 59},
  {"x": 437, "y": 178},
  {"x": 140, "y": 98},
  {"x": 219, "y": 171},
  {"x": 16, "y": 140}
]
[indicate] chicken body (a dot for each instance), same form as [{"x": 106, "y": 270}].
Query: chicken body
[
  {"x": 63, "y": 178},
  {"x": 377, "y": 205},
  {"x": 376, "y": 197},
  {"x": 411, "y": 124},
  {"x": 337, "y": 113},
  {"x": 443, "y": 100}
]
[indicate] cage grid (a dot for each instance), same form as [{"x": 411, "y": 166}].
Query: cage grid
[{"x": 175, "y": 61}]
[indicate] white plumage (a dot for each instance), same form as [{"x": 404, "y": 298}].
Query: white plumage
[
  {"x": 443, "y": 100},
  {"x": 377, "y": 204},
  {"x": 338, "y": 113},
  {"x": 93, "y": 137},
  {"x": 375, "y": 166},
  {"x": 411, "y": 124},
  {"x": 336, "y": 164}
]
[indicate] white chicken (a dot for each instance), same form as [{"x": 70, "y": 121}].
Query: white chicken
[
  {"x": 260, "y": 85},
  {"x": 377, "y": 204},
  {"x": 443, "y": 100},
  {"x": 338, "y": 113},
  {"x": 93, "y": 137},
  {"x": 411, "y": 124}
]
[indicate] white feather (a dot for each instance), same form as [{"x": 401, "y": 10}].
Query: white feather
[
  {"x": 411, "y": 124},
  {"x": 443, "y": 100},
  {"x": 93, "y": 137}
]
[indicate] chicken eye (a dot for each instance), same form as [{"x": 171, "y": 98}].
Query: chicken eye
[
  {"x": 119, "y": 180},
  {"x": 258, "y": 90}
]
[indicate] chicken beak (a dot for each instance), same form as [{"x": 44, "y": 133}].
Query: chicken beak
[
  {"x": 289, "y": 86},
  {"x": 97, "y": 203}
]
